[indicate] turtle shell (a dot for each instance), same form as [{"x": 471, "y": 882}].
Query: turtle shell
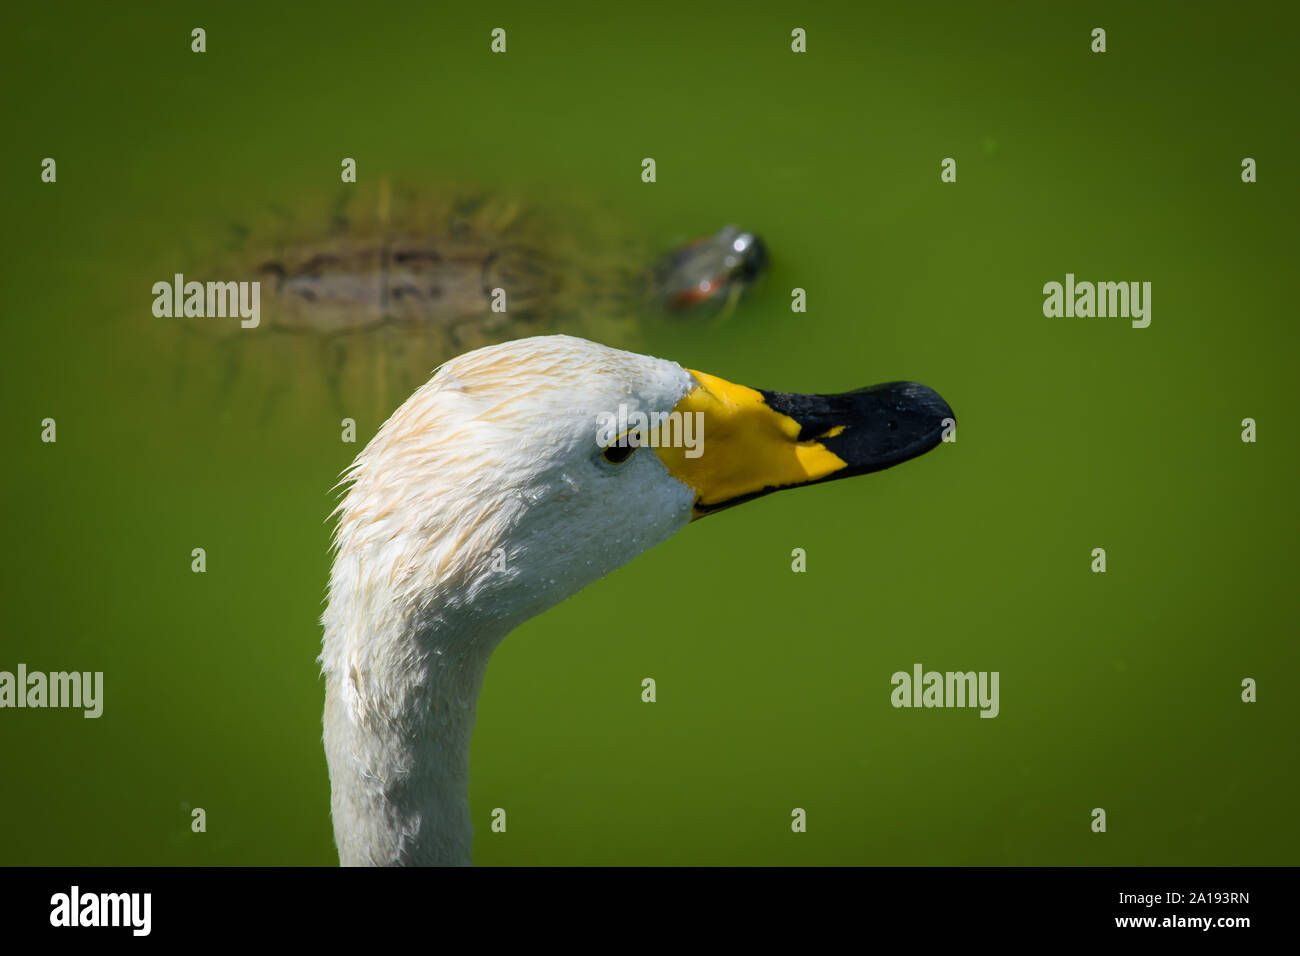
[
  {"x": 475, "y": 265},
  {"x": 377, "y": 288}
]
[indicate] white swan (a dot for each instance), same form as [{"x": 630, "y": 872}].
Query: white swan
[{"x": 487, "y": 498}]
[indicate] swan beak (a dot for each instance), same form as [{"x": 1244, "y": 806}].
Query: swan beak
[{"x": 749, "y": 442}]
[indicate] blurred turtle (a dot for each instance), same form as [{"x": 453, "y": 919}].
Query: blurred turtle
[{"x": 387, "y": 289}]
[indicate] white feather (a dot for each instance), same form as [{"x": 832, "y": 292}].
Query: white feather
[{"x": 497, "y": 451}]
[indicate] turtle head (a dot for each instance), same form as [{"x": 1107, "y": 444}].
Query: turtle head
[{"x": 714, "y": 270}]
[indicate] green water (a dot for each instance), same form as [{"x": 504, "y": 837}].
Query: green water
[{"x": 1118, "y": 690}]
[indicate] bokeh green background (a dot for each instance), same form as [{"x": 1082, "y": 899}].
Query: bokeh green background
[{"x": 1119, "y": 690}]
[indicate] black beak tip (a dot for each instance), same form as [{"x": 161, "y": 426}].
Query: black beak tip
[
  {"x": 871, "y": 428},
  {"x": 922, "y": 402},
  {"x": 895, "y": 422}
]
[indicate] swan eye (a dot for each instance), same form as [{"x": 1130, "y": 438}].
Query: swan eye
[
  {"x": 622, "y": 448},
  {"x": 617, "y": 454}
]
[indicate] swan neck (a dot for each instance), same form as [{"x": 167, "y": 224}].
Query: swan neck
[{"x": 398, "y": 723}]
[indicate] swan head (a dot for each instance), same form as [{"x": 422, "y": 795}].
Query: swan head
[
  {"x": 521, "y": 472},
  {"x": 514, "y": 477}
]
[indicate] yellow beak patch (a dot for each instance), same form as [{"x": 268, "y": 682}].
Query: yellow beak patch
[{"x": 744, "y": 446}]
